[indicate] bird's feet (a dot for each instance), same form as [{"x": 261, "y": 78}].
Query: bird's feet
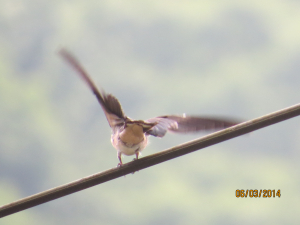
[{"x": 134, "y": 159}]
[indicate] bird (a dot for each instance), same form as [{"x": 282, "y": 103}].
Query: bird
[{"x": 130, "y": 136}]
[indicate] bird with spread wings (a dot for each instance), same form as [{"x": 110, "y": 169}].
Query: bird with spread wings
[{"x": 130, "y": 136}]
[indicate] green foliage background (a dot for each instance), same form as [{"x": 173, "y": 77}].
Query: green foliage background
[{"x": 222, "y": 58}]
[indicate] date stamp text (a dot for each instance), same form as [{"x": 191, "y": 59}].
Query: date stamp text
[{"x": 262, "y": 193}]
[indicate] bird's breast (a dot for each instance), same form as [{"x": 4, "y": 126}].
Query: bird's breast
[
  {"x": 132, "y": 135},
  {"x": 131, "y": 140}
]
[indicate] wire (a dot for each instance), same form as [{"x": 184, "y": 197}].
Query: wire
[{"x": 150, "y": 160}]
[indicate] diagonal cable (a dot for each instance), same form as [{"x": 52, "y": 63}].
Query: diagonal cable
[{"x": 150, "y": 160}]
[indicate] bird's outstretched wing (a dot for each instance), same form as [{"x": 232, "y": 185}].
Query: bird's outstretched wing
[
  {"x": 187, "y": 124},
  {"x": 110, "y": 104}
]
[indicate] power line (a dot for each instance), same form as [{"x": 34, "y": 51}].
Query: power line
[{"x": 150, "y": 160}]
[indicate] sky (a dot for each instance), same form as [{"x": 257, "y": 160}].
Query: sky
[{"x": 227, "y": 59}]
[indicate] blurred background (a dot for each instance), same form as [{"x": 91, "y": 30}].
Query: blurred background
[{"x": 238, "y": 59}]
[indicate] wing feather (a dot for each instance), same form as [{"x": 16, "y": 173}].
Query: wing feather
[
  {"x": 187, "y": 124},
  {"x": 110, "y": 104}
]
